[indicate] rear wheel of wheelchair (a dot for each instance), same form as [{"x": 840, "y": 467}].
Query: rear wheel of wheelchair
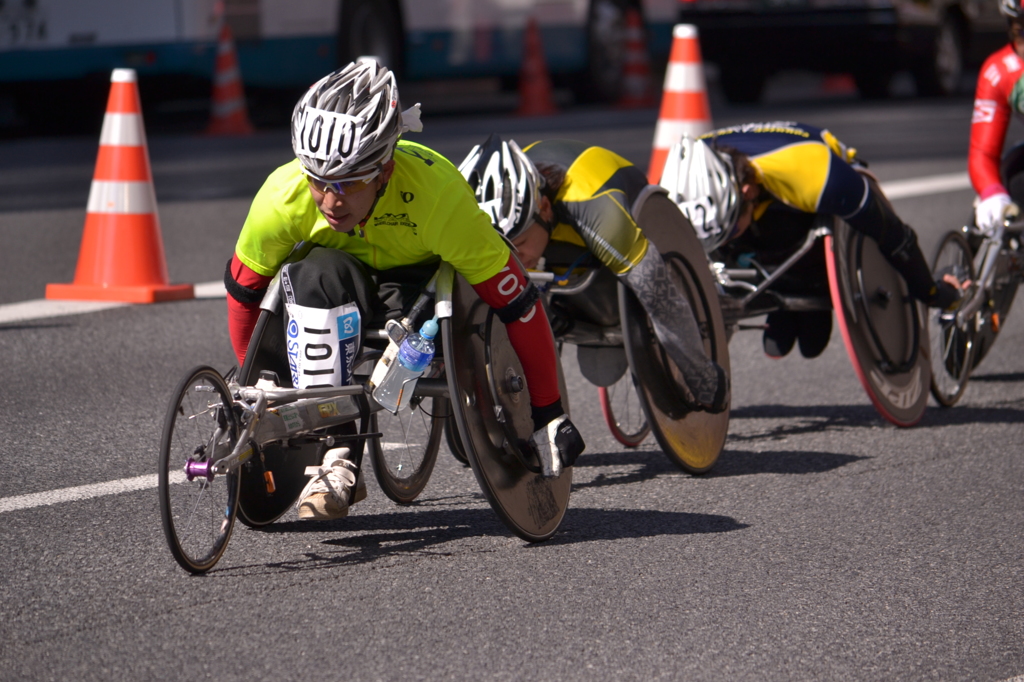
[
  {"x": 197, "y": 506},
  {"x": 884, "y": 337},
  {"x": 693, "y": 440},
  {"x": 951, "y": 344},
  {"x": 622, "y": 411},
  {"x": 491, "y": 405}
]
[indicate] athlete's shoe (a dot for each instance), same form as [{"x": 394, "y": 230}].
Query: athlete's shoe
[
  {"x": 336, "y": 485},
  {"x": 557, "y": 446}
]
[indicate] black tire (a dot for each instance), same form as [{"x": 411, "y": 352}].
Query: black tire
[
  {"x": 404, "y": 457},
  {"x": 952, "y": 345},
  {"x": 885, "y": 340},
  {"x": 480, "y": 366},
  {"x": 940, "y": 73},
  {"x": 692, "y": 440},
  {"x": 370, "y": 27},
  {"x": 451, "y": 436},
  {"x": 200, "y": 428},
  {"x": 606, "y": 52}
]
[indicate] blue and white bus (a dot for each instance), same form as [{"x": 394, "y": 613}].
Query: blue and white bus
[{"x": 289, "y": 43}]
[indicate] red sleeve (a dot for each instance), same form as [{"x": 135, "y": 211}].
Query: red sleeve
[
  {"x": 530, "y": 335},
  {"x": 990, "y": 120},
  {"x": 242, "y": 316}
]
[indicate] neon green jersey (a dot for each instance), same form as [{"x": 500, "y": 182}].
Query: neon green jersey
[{"x": 427, "y": 213}]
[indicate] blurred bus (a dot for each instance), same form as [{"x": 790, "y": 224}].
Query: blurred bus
[{"x": 291, "y": 43}]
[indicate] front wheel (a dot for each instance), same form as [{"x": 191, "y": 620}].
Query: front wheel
[
  {"x": 952, "y": 345},
  {"x": 198, "y": 506},
  {"x": 404, "y": 456}
]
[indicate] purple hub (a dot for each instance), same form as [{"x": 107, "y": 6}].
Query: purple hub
[{"x": 194, "y": 469}]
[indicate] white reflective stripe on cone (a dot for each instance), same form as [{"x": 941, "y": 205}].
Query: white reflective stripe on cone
[
  {"x": 684, "y": 31},
  {"x": 122, "y": 76},
  {"x": 668, "y": 133},
  {"x": 109, "y": 196},
  {"x": 123, "y": 130},
  {"x": 683, "y": 77}
]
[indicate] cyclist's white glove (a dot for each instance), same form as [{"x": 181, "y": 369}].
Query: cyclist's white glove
[{"x": 990, "y": 212}]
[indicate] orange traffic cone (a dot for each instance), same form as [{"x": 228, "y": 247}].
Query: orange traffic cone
[
  {"x": 229, "y": 115},
  {"x": 122, "y": 252},
  {"x": 535, "y": 92},
  {"x": 637, "y": 87},
  {"x": 684, "y": 103}
]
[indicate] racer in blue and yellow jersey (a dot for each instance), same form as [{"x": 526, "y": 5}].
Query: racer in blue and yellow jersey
[
  {"x": 756, "y": 187},
  {"x": 376, "y": 208},
  {"x": 569, "y": 191}
]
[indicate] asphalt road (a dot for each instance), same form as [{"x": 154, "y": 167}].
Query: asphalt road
[{"x": 825, "y": 544}]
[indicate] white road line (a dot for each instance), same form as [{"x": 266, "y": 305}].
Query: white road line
[
  {"x": 87, "y": 492},
  {"x": 82, "y": 492},
  {"x": 933, "y": 184}
]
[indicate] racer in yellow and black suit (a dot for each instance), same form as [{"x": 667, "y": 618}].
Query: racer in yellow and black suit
[
  {"x": 791, "y": 171},
  {"x": 588, "y": 192}
]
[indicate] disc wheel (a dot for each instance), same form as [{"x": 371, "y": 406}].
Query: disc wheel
[
  {"x": 884, "y": 338},
  {"x": 623, "y": 413},
  {"x": 951, "y": 345},
  {"x": 692, "y": 440},
  {"x": 404, "y": 456},
  {"x": 197, "y": 506},
  {"x": 491, "y": 405}
]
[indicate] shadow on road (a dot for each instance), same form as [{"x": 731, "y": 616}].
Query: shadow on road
[{"x": 377, "y": 537}]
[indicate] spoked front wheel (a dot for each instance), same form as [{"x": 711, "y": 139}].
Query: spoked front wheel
[
  {"x": 623, "y": 412},
  {"x": 952, "y": 344},
  {"x": 404, "y": 456},
  {"x": 197, "y": 505}
]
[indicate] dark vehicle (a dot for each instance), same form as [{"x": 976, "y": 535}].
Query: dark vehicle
[{"x": 750, "y": 40}]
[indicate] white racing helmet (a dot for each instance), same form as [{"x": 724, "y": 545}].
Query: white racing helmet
[
  {"x": 505, "y": 182},
  {"x": 348, "y": 122},
  {"x": 702, "y": 182}
]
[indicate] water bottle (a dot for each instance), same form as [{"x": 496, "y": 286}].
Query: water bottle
[{"x": 414, "y": 356}]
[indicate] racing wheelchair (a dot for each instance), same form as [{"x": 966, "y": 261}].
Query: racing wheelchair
[
  {"x": 238, "y": 446},
  {"x": 616, "y": 347},
  {"x": 826, "y": 265}
]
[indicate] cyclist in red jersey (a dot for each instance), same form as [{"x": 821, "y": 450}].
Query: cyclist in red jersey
[{"x": 999, "y": 94}]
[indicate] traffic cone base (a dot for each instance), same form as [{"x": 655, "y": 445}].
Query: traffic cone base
[
  {"x": 684, "y": 103},
  {"x": 122, "y": 254}
]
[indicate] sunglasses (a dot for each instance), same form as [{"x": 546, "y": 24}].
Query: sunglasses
[{"x": 341, "y": 187}]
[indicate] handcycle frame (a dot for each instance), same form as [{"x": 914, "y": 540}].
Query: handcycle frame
[
  {"x": 887, "y": 344},
  {"x": 251, "y": 418}
]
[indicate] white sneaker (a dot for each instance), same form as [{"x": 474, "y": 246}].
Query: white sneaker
[{"x": 335, "y": 485}]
